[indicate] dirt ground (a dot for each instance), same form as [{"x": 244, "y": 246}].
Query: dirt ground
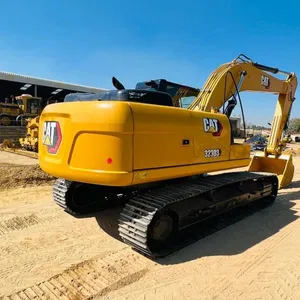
[
  {"x": 21, "y": 171},
  {"x": 48, "y": 254},
  {"x": 7, "y": 158}
]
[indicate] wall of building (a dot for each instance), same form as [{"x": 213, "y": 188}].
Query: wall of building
[{"x": 250, "y": 131}]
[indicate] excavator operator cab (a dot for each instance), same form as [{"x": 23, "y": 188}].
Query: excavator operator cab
[
  {"x": 159, "y": 92},
  {"x": 182, "y": 95}
]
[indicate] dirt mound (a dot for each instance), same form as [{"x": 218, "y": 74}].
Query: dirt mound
[
  {"x": 12, "y": 176},
  {"x": 7, "y": 144},
  {"x": 293, "y": 152}
]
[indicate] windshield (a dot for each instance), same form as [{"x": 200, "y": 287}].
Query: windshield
[
  {"x": 187, "y": 101},
  {"x": 33, "y": 105},
  {"x": 143, "y": 86}
]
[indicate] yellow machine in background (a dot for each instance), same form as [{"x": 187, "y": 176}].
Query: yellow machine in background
[
  {"x": 136, "y": 147},
  {"x": 30, "y": 141},
  {"x": 287, "y": 138},
  {"x": 26, "y": 107}
]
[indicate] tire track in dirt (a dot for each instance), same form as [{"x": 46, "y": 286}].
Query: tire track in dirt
[
  {"x": 95, "y": 277},
  {"x": 277, "y": 274},
  {"x": 23, "y": 222},
  {"x": 254, "y": 257}
]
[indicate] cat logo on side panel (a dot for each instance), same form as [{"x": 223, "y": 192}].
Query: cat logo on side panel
[
  {"x": 213, "y": 126},
  {"x": 52, "y": 136}
]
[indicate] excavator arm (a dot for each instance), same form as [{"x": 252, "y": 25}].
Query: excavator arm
[{"x": 242, "y": 74}]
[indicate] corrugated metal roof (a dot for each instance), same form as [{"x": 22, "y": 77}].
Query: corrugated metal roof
[{"x": 49, "y": 83}]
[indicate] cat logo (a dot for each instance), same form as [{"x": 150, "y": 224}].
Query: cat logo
[
  {"x": 265, "y": 81},
  {"x": 52, "y": 136},
  {"x": 213, "y": 126}
]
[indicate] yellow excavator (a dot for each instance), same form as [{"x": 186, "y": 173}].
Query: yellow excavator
[{"x": 136, "y": 148}]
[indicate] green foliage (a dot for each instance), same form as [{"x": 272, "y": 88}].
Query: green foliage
[
  {"x": 255, "y": 127},
  {"x": 294, "y": 125}
]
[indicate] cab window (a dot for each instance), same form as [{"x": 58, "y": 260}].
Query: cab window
[{"x": 33, "y": 106}]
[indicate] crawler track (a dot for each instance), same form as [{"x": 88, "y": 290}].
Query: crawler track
[
  {"x": 78, "y": 199},
  {"x": 138, "y": 217},
  {"x": 152, "y": 222}
]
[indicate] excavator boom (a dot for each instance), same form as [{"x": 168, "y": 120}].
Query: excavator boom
[{"x": 242, "y": 74}]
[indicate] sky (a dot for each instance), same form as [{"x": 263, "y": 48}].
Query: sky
[{"x": 88, "y": 42}]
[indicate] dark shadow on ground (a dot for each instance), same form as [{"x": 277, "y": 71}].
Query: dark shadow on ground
[
  {"x": 108, "y": 222},
  {"x": 106, "y": 219},
  {"x": 227, "y": 235},
  {"x": 293, "y": 185},
  {"x": 241, "y": 235}
]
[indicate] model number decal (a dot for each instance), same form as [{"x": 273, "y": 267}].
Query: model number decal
[{"x": 212, "y": 152}]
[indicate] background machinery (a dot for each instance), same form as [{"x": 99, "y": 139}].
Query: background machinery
[
  {"x": 30, "y": 141},
  {"x": 136, "y": 148},
  {"x": 26, "y": 106}
]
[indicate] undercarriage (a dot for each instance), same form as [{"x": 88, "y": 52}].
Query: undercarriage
[{"x": 154, "y": 217}]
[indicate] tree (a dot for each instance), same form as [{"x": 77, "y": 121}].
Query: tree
[
  {"x": 294, "y": 125},
  {"x": 249, "y": 125}
]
